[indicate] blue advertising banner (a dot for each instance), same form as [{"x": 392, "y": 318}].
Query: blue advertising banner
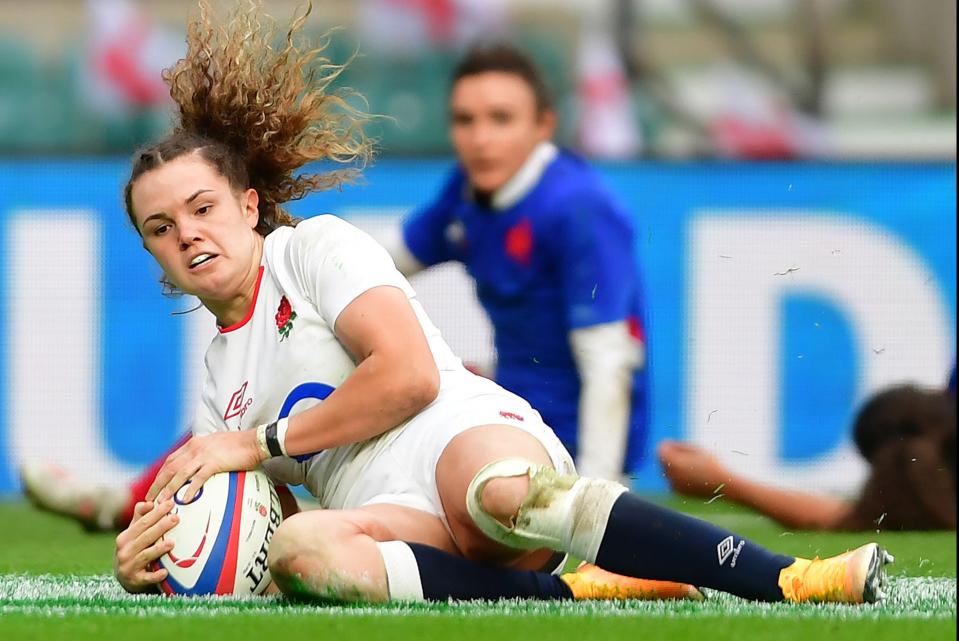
[{"x": 780, "y": 296}]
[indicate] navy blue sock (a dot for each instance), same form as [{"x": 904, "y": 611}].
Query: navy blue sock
[
  {"x": 445, "y": 576},
  {"x": 648, "y": 541}
]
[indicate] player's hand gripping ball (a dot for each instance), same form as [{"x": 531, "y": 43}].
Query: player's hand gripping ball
[{"x": 222, "y": 539}]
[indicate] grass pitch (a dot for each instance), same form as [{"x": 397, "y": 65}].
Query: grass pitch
[{"x": 55, "y": 583}]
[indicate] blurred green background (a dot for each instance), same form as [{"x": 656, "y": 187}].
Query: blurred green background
[{"x": 633, "y": 78}]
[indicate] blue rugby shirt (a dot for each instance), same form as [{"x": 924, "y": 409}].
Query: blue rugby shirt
[{"x": 560, "y": 258}]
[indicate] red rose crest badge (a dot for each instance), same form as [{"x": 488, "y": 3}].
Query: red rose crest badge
[{"x": 284, "y": 318}]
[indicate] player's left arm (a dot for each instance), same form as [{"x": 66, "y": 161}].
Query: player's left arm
[
  {"x": 358, "y": 291},
  {"x": 355, "y": 286},
  {"x": 395, "y": 378},
  {"x": 606, "y": 357},
  {"x": 599, "y": 274}
]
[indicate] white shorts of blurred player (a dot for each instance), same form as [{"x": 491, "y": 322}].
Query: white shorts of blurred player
[{"x": 399, "y": 468}]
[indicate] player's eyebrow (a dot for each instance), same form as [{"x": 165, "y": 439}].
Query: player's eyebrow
[
  {"x": 185, "y": 202},
  {"x": 195, "y": 194},
  {"x": 151, "y": 217}
]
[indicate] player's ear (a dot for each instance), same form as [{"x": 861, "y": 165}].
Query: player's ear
[
  {"x": 250, "y": 202},
  {"x": 546, "y": 124}
]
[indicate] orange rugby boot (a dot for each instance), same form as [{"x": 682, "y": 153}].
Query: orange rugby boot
[
  {"x": 856, "y": 576},
  {"x": 590, "y": 582}
]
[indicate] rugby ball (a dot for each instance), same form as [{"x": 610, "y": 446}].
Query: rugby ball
[{"x": 222, "y": 539}]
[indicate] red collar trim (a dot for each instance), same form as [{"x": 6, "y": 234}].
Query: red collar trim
[{"x": 249, "y": 312}]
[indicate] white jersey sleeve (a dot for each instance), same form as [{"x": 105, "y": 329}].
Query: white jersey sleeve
[
  {"x": 333, "y": 263},
  {"x": 204, "y": 417},
  {"x": 203, "y": 421}
]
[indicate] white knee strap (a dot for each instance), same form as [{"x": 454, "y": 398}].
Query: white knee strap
[{"x": 562, "y": 512}]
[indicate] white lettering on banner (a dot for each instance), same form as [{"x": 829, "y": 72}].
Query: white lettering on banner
[
  {"x": 53, "y": 331},
  {"x": 53, "y": 335},
  {"x": 740, "y": 267}
]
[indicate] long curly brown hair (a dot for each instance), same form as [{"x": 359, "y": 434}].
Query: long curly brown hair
[{"x": 257, "y": 113}]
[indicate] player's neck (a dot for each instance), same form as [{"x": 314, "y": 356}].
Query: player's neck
[
  {"x": 235, "y": 309},
  {"x": 483, "y": 198},
  {"x": 522, "y": 182}
]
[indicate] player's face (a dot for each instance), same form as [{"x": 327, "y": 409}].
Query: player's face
[
  {"x": 198, "y": 229},
  {"x": 494, "y": 125}
]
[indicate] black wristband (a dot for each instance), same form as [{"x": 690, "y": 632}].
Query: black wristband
[{"x": 272, "y": 442}]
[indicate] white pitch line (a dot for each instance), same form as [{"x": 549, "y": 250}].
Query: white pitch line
[{"x": 57, "y": 596}]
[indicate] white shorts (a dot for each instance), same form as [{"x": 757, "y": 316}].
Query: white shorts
[{"x": 403, "y": 471}]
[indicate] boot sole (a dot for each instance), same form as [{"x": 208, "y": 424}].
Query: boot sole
[{"x": 876, "y": 575}]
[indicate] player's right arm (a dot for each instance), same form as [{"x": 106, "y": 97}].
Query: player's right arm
[
  {"x": 140, "y": 545},
  {"x": 394, "y": 242},
  {"x": 423, "y": 240}
]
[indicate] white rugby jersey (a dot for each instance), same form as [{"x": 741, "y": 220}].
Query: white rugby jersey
[{"x": 283, "y": 358}]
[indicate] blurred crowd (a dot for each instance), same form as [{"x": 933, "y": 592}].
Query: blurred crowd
[{"x": 634, "y": 78}]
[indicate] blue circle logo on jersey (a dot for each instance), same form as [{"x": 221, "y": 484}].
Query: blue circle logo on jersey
[{"x": 318, "y": 391}]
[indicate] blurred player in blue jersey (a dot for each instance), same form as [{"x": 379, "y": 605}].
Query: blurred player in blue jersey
[{"x": 552, "y": 254}]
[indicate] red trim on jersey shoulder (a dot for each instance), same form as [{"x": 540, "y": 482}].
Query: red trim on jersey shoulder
[
  {"x": 249, "y": 312},
  {"x": 636, "y": 329}
]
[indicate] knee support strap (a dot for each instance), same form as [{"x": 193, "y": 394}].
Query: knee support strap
[{"x": 562, "y": 512}]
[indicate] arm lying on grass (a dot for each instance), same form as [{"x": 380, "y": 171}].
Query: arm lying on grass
[{"x": 693, "y": 471}]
